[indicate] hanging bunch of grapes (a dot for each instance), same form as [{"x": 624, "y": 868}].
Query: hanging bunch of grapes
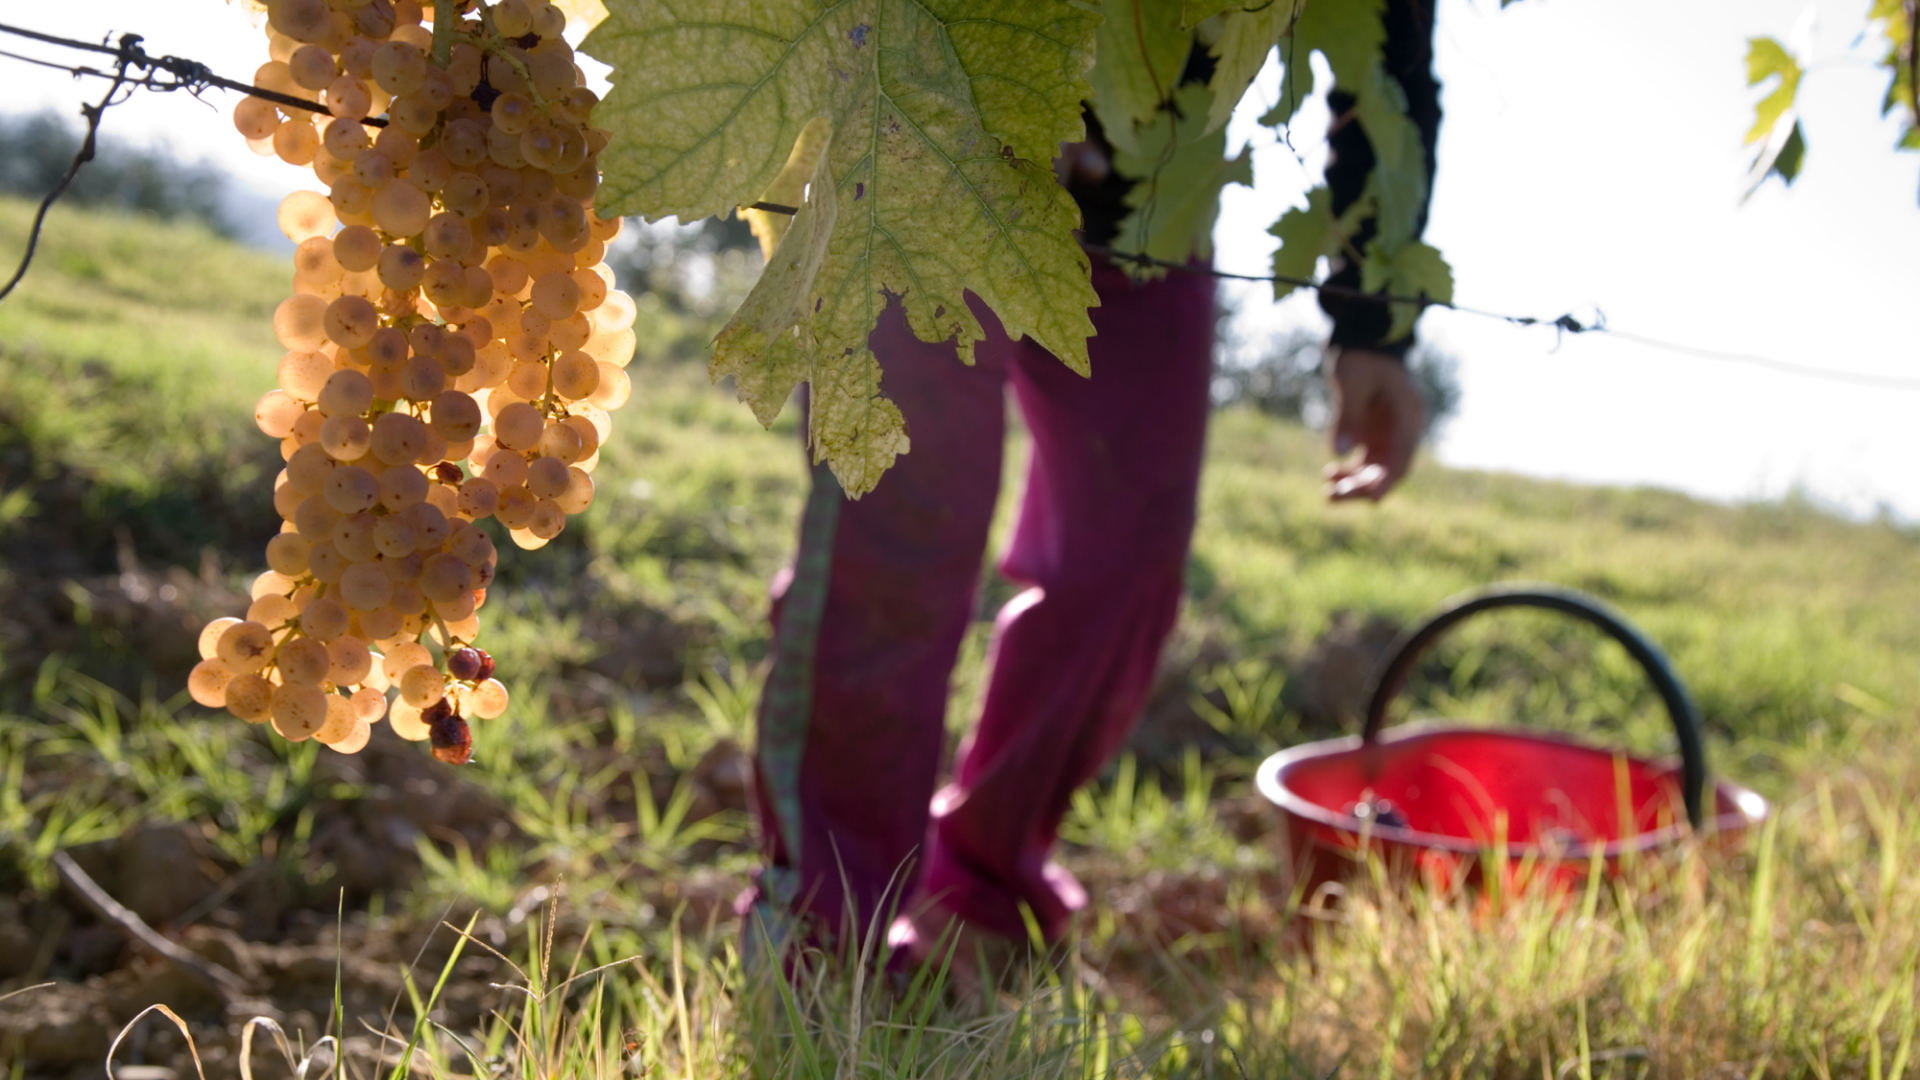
[{"x": 454, "y": 349}]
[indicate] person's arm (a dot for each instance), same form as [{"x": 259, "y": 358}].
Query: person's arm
[{"x": 1376, "y": 407}]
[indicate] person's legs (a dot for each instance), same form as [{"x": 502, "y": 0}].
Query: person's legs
[
  {"x": 867, "y": 624},
  {"x": 1102, "y": 539}
]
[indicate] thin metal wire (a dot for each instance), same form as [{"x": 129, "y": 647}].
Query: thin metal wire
[
  {"x": 194, "y": 77},
  {"x": 189, "y": 75}
]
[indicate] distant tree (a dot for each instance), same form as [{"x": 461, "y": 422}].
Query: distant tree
[{"x": 35, "y": 151}]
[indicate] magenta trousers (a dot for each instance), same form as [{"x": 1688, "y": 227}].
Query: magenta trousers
[{"x": 870, "y": 617}]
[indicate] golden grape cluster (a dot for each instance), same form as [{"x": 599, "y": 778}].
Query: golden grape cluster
[{"x": 454, "y": 348}]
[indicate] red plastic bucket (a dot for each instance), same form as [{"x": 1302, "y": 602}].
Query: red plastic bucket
[{"x": 1441, "y": 799}]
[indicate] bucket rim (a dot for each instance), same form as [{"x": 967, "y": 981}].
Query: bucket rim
[{"x": 1750, "y": 808}]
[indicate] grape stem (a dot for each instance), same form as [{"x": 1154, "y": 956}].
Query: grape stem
[{"x": 444, "y": 19}]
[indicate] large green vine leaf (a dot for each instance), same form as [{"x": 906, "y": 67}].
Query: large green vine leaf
[
  {"x": 945, "y": 117},
  {"x": 1247, "y": 35},
  {"x": 1178, "y": 169},
  {"x": 1143, "y": 47}
]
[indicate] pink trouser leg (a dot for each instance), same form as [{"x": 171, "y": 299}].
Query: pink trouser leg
[
  {"x": 1102, "y": 540},
  {"x": 867, "y": 625},
  {"x": 870, "y": 619}
]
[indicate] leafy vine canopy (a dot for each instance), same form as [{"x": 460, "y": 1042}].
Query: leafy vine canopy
[{"x": 916, "y": 140}]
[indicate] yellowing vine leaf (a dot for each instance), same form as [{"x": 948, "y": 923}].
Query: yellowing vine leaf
[
  {"x": 780, "y": 298},
  {"x": 946, "y": 116}
]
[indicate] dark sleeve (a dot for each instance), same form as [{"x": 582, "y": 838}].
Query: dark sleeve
[{"x": 1409, "y": 59}]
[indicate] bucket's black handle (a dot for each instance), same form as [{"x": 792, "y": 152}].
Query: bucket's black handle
[{"x": 1412, "y": 642}]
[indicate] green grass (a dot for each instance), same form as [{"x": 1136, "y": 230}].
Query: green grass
[{"x": 634, "y": 643}]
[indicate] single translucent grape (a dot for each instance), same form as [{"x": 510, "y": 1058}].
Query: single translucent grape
[
  {"x": 365, "y": 586},
  {"x": 430, "y": 170},
  {"x": 408, "y": 600},
  {"x": 614, "y": 386},
  {"x": 207, "y": 683},
  {"x": 314, "y": 518},
  {"x": 398, "y": 68},
  {"x": 445, "y": 283},
  {"x": 256, "y": 119},
  {"x": 250, "y": 697},
  {"x": 556, "y": 295},
  {"x": 307, "y": 469},
  {"x": 528, "y": 380},
  {"x": 444, "y": 577},
  {"x": 400, "y": 209},
  {"x": 303, "y": 662},
  {"x": 518, "y": 426},
  {"x": 429, "y": 523},
  {"x": 593, "y": 288},
  {"x": 394, "y": 538},
  {"x": 306, "y": 429},
  {"x": 489, "y": 699},
  {"x": 326, "y": 562},
  {"x": 245, "y": 647},
  {"x": 577, "y": 376},
  {"x": 210, "y": 636},
  {"x": 348, "y": 660},
  {"x": 406, "y": 721},
  {"x": 295, "y": 141},
  {"x": 547, "y": 519},
  {"x": 276, "y": 412},
  {"x": 398, "y": 438},
  {"x": 398, "y": 660},
  {"x": 505, "y": 468},
  {"x": 588, "y": 433},
  {"x": 422, "y": 685},
  {"x": 512, "y": 115},
  {"x": 272, "y": 611},
  {"x": 286, "y": 501},
  {"x": 352, "y": 536},
  {"x": 401, "y": 486},
  {"x": 455, "y": 416},
  {"x": 460, "y": 353},
  {"x": 413, "y": 112},
  {"x": 357, "y": 247},
  {"x": 561, "y": 441},
  {"x": 613, "y": 346},
  {"x": 479, "y": 498},
  {"x": 547, "y": 477},
  {"x": 324, "y": 619},
  {"x": 579, "y": 493},
  {"x": 301, "y": 20},
  {"x": 380, "y": 624},
  {"x": 299, "y": 711},
  {"x": 345, "y": 438},
  {"x": 347, "y": 97},
  {"x": 345, "y": 139},
  {"x": 287, "y": 554},
  {"x": 300, "y": 322},
  {"x": 369, "y": 704},
  {"x": 401, "y": 268},
  {"x": 516, "y": 507},
  {"x": 351, "y": 489},
  {"x": 302, "y": 374},
  {"x": 350, "y": 321},
  {"x": 340, "y": 721},
  {"x": 466, "y": 194}
]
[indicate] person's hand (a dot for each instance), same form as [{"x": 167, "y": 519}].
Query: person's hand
[{"x": 1376, "y": 409}]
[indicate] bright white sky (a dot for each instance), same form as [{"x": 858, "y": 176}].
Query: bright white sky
[{"x": 1590, "y": 156}]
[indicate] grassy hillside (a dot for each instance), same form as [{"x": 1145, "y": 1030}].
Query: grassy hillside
[{"x": 133, "y": 505}]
